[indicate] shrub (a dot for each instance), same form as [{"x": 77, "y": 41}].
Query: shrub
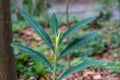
[{"x": 56, "y": 47}]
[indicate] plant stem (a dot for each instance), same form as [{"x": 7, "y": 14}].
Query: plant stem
[
  {"x": 55, "y": 68},
  {"x": 56, "y": 57},
  {"x": 67, "y": 11},
  {"x": 67, "y": 21}
]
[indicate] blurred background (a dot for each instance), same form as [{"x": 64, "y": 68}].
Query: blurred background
[{"x": 106, "y": 45}]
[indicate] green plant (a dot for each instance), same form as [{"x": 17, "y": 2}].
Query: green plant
[{"x": 56, "y": 47}]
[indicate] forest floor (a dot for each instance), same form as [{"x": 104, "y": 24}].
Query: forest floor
[{"x": 88, "y": 74}]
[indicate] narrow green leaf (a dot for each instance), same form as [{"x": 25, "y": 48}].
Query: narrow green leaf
[
  {"x": 78, "y": 43},
  {"x": 33, "y": 54},
  {"x": 37, "y": 28},
  {"x": 80, "y": 67},
  {"x": 54, "y": 24},
  {"x": 76, "y": 27}
]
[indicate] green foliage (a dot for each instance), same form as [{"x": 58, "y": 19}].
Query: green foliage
[
  {"x": 75, "y": 27},
  {"x": 113, "y": 66},
  {"x": 80, "y": 67},
  {"x": 54, "y": 24},
  {"x": 32, "y": 53},
  {"x": 25, "y": 66},
  {"x": 38, "y": 28},
  {"x": 78, "y": 42},
  {"x": 16, "y": 26},
  {"x": 39, "y": 66},
  {"x": 56, "y": 47}
]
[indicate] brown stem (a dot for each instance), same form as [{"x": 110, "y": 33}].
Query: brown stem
[
  {"x": 67, "y": 11},
  {"x": 67, "y": 21}
]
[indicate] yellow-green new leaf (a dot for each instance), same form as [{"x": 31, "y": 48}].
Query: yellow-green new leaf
[
  {"x": 33, "y": 54},
  {"x": 80, "y": 67},
  {"x": 76, "y": 27},
  {"x": 54, "y": 24},
  {"x": 37, "y": 28},
  {"x": 78, "y": 43}
]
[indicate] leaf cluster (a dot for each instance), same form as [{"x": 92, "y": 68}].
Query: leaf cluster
[{"x": 55, "y": 46}]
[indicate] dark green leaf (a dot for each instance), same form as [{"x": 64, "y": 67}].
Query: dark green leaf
[
  {"x": 37, "y": 28},
  {"x": 78, "y": 42},
  {"x": 80, "y": 67},
  {"x": 76, "y": 27},
  {"x": 32, "y": 53},
  {"x": 54, "y": 24}
]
